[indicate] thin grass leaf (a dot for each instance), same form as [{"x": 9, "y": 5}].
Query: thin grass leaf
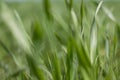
[
  {"x": 85, "y": 74},
  {"x": 47, "y": 72},
  {"x": 10, "y": 54},
  {"x": 37, "y": 31},
  {"x": 47, "y": 8},
  {"x": 5, "y": 48},
  {"x": 116, "y": 38},
  {"x": 15, "y": 74},
  {"x": 16, "y": 27},
  {"x": 49, "y": 31},
  {"x": 34, "y": 68},
  {"x": 59, "y": 38},
  {"x": 109, "y": 14},
  {"x": 81, "y": 16},
  {"x": 69, "y": 4},
  {"x": 74, "y": 18},
  {"x": 98, "y": 8},
  {"x": 107, "y": 47},
  {"x": 82, "y": 56},
  {"x": 115, "y": 41},
  {"x": 23, "y": 76},
  {"x": 60, "y": 20},
  {"x": 70, "y": 56},
  {"x": 56, "y": 68},
  {"x": 93, "y": 36}
]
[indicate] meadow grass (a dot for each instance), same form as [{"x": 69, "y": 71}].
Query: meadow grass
[{"x": 75, "y": 41}]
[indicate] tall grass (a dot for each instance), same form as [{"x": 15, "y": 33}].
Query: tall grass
[{"x": 81, "y": 44}]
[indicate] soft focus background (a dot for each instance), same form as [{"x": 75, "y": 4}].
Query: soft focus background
[{"x": 59, "y": 39}]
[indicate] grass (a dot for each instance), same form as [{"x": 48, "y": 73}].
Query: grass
[{"x": 68, "y": 42}]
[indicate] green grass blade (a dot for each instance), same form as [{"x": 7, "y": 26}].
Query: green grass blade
[
  {"x": 69, "y": 4},
  {"x": 81, "y": 15},
  {"x": 15, "y": 74},
  {"x": 10, "y": 54},
  {"x": 56, "y": 68},
  {"x": 109, "y": 14},
  {"x": 47, "y": 8},
  {"x": 107, "y": 47},
  {"x": 93, "y": 36},
  {"x": 74, "y": 19},
  {"x": 34, "y": 68},
  {"x": 37, "y": 30},
  {"x": 16, "y": 27},
  {"x": 70, "y": 65},
  {"x": 82, "y": 55}
]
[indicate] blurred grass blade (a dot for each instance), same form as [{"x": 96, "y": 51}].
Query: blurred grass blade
[
  {"x": 24, "y": 76},
  {"x": 107, "y": 47},
  {"x": 84, "y": 61},
  {"x": 85, "y": 74},
  {"x": 16, "y": 27},
  {"x": 15, "y": 74},
  {"x": 93, "y": 44},
  {"x": 81, "y": 17},
  {"x": 98, "y": 8},
  {"x": 69, "y": 4},
  {"x": 70, "y": 65},
  {"x": 60, "y": 20},
  {"x": 10, "y": 54},
  {"x": 56, "y": 68},
  {"x": 74, "y": 18},
  {"x": 36, "y": 71},
  {"x": 6, "y": 49},
  {"x": 82, "y": 56},
  {"x": 47, "y": 8},
  {"x": 109, "y": 14},
  {"x": 47, "y": 72},
  {"x": 93, "y": 36},
  {"x": 37, "y": 30},
  {"x": 59, "y": 38}
]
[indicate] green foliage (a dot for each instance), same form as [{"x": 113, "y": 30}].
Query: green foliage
[{"x": 76, "y": 42}]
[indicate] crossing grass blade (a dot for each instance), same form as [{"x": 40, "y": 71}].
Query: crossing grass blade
[{"x": 82, "y": 56}]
